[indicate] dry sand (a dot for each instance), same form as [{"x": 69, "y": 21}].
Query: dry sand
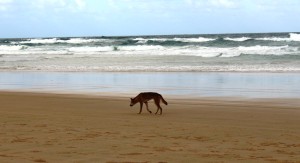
[{"x": 36, "y": 127}]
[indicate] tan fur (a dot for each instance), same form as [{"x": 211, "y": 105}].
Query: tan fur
[{"x": 144, "y": 97}]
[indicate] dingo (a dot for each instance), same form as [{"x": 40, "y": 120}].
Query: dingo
[{"x": 145, "y": 97}]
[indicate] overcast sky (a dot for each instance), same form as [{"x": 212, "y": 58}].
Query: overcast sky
[{"x": 58, "y": 18}]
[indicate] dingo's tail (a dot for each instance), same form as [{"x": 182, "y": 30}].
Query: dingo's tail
[{"x": 163, "y": 100}]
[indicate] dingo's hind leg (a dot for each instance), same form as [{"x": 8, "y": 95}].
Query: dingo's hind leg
[
  {"x": 160, "y": 109},
  {"x": 158, "y": 106}
]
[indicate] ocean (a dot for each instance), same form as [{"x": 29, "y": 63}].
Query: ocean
[{"x": 263, "y": 52}]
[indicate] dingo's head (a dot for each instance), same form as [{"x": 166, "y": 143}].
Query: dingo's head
[{"x": 132, "y": 102}]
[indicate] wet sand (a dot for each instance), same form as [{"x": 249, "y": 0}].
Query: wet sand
[
  {"x": 196, "y": 84},
  {"x": 40, "y": 127}
]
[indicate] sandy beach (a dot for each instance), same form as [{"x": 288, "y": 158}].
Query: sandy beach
[
  {"x": 41, "y": 127},
  {"x": 228, "y": 69}
]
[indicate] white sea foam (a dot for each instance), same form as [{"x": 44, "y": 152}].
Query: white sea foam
[
  {"x": 151, "y": 39},
  {"x": 274, "y": 39},
  {"x": 293, "y": 37},
  {"x": 141, "y": 40},
  {"x": 224, "y": 52},
  {"x": 77, "y": 41},
  {"x": 84, "y": 40},
  {"x": 199, "y": 39},
  {"x": 142, "y": 48},
  {"x": 267, "y": 50},
  {"x": 237, "y": 39},
  {"x": 91, "y": 49},
  {"x": 167, "y": 68},
  {"x": 152, "y": 50},
  {"x": 39, "y": 41},
  {"x": 237, "y": 51},
  {"x": 11, "y": 47}
]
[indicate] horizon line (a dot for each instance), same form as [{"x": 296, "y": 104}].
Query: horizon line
[{"x": 152, "y": 35}]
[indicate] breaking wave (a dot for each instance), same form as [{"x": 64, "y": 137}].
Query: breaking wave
[
  {"x": 11, "y": 47},
  {"x": 292, "y": 37},
  {"x": 227, "y": 52},
  {"x": 238, "y": 39}
]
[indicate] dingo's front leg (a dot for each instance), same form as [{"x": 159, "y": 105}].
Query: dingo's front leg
[
  {"x": 141, "y": 106},
  {"x": 146, "y": 103}
]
